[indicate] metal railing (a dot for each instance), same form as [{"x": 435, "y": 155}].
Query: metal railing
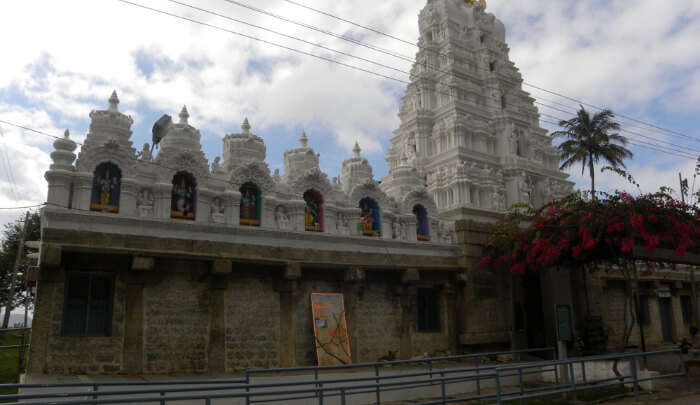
[{"x": 342, "y": 389}]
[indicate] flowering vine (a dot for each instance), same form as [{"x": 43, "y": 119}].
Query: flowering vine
[{"x": 577, "y": 232}]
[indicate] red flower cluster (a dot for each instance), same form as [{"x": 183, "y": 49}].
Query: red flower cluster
[{"x": 575, "y": 231}]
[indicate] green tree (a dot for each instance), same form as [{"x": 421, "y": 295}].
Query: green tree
[
  {"x": 590, "y": 140},
  {"x": 8, "y": 252}
]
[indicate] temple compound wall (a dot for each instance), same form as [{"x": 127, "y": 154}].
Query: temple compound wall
[{"x": 167, "y": 264}]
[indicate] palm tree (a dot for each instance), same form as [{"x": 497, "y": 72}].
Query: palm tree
[{"x": 589, "y": 140}]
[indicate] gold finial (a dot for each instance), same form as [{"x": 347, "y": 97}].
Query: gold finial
[{"x": 471, "y": 3}]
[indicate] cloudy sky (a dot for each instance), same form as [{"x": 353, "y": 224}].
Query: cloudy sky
[{"x": 61, "y": 59}]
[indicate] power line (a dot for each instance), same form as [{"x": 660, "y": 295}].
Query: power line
[
  {"x": 558, "y": 94},
  {"x": 323, "y": 31},
  {"x": 155, "y": 10},
  {"x": 684, "y": 148},
  {"x": 641, "y": 144},
  {"x": 350, "y": 22},
  {"x": 22, "y": 208},
  {"x": 316, "y": 44},
  {"x": 8, "y": 165}
]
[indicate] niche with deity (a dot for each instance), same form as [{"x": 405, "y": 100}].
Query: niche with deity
[
  {"x": 313, "y": 212},
  {"x": 370, "y": 217},
  {"x": 106, "y": 186},
  {"x": 251, "y": 205},
  {"x": 184, "y": 196},
  {"x": 422, "y": 223}
]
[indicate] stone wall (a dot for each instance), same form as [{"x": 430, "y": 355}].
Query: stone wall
[
  {"x": 175, "y": 323},
  {"x": 485, "y": 318},
  {"x": 378, "y": 312},
  {"x": 252, "y": 319},
  {"x": 186, "y": 316}
]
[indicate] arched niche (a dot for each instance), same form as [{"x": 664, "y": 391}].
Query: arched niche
[
  {"x": 313, "y": 212},
  {"x": 251, "y": 204},
  {"x": 422, "y": 223},
  {"x": 106, "y": 187},
  {"x": 370, "y": 217},
  {"x": 183, "y": 200}
]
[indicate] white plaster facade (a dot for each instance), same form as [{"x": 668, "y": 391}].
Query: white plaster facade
[
  {"x": 468, "y": 132},
  {"x": 146, "y": 184}
]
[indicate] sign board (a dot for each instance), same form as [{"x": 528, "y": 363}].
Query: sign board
[
  {"x": 565, "y": 330},
  {"x": 664, "y": 292},
  {"x": 330, "y": 329}
]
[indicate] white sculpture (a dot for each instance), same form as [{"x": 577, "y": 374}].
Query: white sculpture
[
  {"x": 217, "y": 211},
  {"x": 144, "y": 203},
  {"x": 281, "y": 218}
]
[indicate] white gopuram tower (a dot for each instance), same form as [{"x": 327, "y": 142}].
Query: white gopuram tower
[{"x": 467, "y": 127}]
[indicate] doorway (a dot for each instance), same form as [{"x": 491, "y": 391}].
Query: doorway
[
  {"x": 534, "y": 313},
  {"x": 666, "y": 323}
]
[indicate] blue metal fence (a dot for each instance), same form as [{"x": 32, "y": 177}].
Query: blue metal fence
[{"x": 509, "y": 381}]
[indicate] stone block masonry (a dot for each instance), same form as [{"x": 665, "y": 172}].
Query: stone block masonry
[{"x": 180, "y": 317}]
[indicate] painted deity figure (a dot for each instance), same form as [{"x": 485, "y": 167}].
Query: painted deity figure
[
  {"x": 183, "y": 197},
  {"x": 247, "y": 204},
  {"x": 367, "y": 219},
  {"x": 106, "y": 185},
  {"x": 311, "y": 214}
]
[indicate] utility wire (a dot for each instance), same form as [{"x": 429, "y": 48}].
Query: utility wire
[
  {"x": 316, "y": 44},
  {"x": 558, "y": 94},
  {"x": 684, "y": 148},
  {"x": 22, "y": 208},
  {"x": 324, "y": 47},
  {"x": 323, "y": 31},
  {"x": 350, "y": 22},
  {"x": 8, "y": 165},
  {"x": 155, "y": 10},
  {"x": 642, "y": 144}
]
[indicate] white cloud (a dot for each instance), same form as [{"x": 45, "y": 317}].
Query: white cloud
[{"x": 636, "y": 57}]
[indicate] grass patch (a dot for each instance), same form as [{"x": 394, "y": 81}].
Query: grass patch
[{"x": 9, "y": 372}]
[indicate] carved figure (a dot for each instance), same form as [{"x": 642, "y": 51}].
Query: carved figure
[
  {"x": 281, "y": 218},
  {"x": 144, "y": 203},
  {"x": 217, "y": 210},
  {"x": 341, "y": 224},
  {"x": 145, "y": 154},
  {"x": 216, "y": 165}
]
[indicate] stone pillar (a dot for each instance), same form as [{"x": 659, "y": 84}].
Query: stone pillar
[
  {"x": 216, "y": 354},
  {"x": 133, "y": 328},
  {"x": 408, "y": 292},
  {"x": 203, "y": 208},
  {"x": 41, "y": 328},
  {"x": 353, "y": 288},
  {"x": 450, "y": 316},
  {"x": 678, "y": 325},
  {"x": 233, "y": 209},
  {"x": 287, "y": 288}
]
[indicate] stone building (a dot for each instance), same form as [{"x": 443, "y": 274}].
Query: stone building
[{"x": 174, "y": 264}]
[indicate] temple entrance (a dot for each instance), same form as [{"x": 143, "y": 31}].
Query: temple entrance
[
  {"x": 534, "y": 313},
  {"x": 666, "y": 323}
]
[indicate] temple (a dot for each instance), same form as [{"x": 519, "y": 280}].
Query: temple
[{"x": 168, "y": 263}]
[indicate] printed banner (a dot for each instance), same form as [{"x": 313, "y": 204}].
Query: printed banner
[{"x": 330, "y": 329}]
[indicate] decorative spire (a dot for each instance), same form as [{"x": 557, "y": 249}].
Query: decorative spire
[
  {"x": 184, "y": 115},
  {"x": 66, "y": 134},
  {"x": 356, "y": 150},
  {"x": 113, "y": 102},
  {"x": 245, "y": 126},
  {"x": 303, "y": 140}
]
